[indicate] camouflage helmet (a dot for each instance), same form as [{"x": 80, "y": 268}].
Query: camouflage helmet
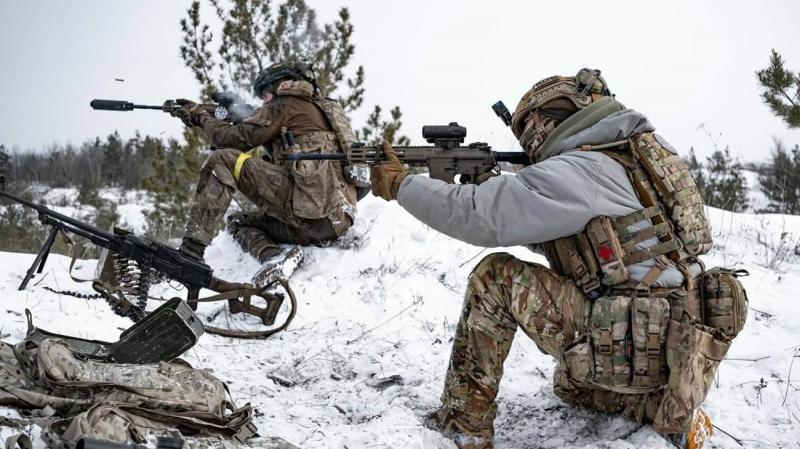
[
  {"x": 270, "y": 77},
  {"x": 565, "y": 92}
]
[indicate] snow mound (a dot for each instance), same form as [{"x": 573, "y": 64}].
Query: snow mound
[{"x": 366, "y": 356}]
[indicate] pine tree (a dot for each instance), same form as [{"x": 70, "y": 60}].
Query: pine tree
[
  {"x": 377, "y": 129},
  {"x": 112, "y": 167},
  {"x": 781, "y": 90},
  {"x": 174, "y": 169},
  {"x": 780, "y": 180},
  {"x": 5, "y": 166},
  {"x": 725, "y": 187},
  {"x": 720, "y": 180},
  {"x": 20, "y": 231},
  {"x": 255, "y": 34}
]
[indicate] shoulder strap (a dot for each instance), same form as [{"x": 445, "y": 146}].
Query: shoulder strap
[{"x": 296, "y": 88}]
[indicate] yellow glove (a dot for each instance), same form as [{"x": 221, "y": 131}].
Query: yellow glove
[{"x": 387, "y": 176}]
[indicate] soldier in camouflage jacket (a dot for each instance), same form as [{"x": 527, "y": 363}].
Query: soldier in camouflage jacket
[
  {"x": 620, "y": 220},
  {"x": 302, "y": 202}
]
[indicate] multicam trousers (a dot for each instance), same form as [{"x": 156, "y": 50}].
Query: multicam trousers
[
  {"x": 269, "y": 187},
  {"x": 503, "y": 293}
]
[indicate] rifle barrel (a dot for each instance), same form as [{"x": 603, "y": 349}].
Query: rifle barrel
[
  {"x": 314, "y": 156},
  {"x": 145, "y": 106},
  {"x": 512, "y": 157},
  {"x": 61, "y": 217}
]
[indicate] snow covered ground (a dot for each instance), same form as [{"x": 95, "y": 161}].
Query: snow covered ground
[{"x": 366, "y": 355}]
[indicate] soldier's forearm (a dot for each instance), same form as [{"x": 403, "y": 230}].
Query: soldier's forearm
[
  {"x": 505, "y": 210},
  {"x": 448, "y": 208},
  {"x": 242, "y": 136}
]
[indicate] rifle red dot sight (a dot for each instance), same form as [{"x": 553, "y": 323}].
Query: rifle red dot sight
[{"x": 445, "y": 136}]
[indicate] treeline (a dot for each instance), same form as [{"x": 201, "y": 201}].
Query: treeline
[
  {"x": 110, "y": 162},
  {"x": 723, "y": 184},
  {"x": 164, "y": 170},
  {"x": 721, "y": 179}
]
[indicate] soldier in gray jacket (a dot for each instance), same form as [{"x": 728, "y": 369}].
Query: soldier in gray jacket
[{"x": 622, "y": 250}]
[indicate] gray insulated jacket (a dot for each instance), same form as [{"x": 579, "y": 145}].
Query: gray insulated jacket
[{"x": 551, "y": 199}]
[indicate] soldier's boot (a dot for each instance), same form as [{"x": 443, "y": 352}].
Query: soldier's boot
[
  {"x": 464, "y": 435},
  {"x": 193, "y": 248},
  {"x": 280, "y": 267},
  {"x": 701, "y": 429}
]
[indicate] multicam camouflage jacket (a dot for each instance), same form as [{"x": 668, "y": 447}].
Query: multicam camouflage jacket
[
  {"x": 616, "y": 211},
  {"x": 316, "y": 124}
]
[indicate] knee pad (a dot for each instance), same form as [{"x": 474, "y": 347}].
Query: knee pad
[{"x": 491, "y": 263}]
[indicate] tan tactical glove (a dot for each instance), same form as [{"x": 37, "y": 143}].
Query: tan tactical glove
[
  {"x": 483, "y": 177},
  {"x": 187, "y": 112},
  {"x": 387, "y": 176},
  {"x": 701, "y": 429}
]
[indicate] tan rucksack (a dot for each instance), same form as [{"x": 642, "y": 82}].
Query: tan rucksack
[{"x": 118, "y": 402}]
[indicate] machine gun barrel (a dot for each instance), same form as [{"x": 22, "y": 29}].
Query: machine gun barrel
[
  {"x": 73, "y": 223},
  {"x": 160, "y": 257},
  {"x": 150, "y": 255}
]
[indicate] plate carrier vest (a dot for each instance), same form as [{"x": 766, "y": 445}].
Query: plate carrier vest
[
  {"x": 598, "y": 256},
  {"x": 623, "y": 348}
]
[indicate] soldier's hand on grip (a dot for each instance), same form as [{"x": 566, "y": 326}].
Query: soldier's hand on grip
[
  {"x": 480, "y": 179},
  {"x": 184, "y": 111},
  {"x": 387, "y": 176}
]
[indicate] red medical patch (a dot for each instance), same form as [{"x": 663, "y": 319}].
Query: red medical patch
[{"x": 605, "y": 252}]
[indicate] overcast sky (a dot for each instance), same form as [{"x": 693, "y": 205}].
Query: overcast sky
[{"x": 681, "y": 63}]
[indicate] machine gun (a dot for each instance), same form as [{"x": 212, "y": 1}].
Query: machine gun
[
  {"x": 227, "y": 106},
  {"x": 135, "y": 261},
  {"x": 445, "y": 159}
]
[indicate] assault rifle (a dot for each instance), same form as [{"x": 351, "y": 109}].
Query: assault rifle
[
  {"x": 135, "y": 261},
  {"x": 227, "y": 106},
  {"x": 445, "y": 159}
]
